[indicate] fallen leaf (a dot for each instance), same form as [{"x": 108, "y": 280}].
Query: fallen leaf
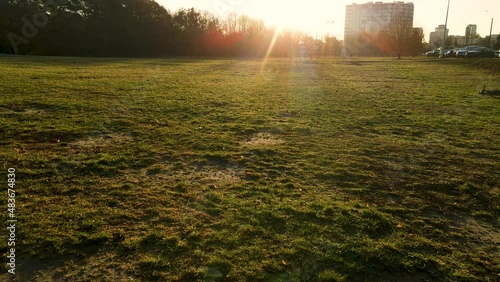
[{"x": 399, "y": 225}]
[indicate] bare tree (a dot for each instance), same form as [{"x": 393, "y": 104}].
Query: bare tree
[{"x": 399, "y": 31}]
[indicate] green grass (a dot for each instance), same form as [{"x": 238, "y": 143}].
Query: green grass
[{"x": 236, "y": 170}]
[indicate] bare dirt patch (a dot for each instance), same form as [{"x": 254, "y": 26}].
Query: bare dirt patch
[
  {"x": 22, "y": 110},
  {"x": 214, "y": 176},
  {"x": 481, "y": 233},
  {"x": 219, "y": 177},
  {"x": 102, "y": 140},
  {"x": 34, "y": 111},
  {"x": 264, "y": 140}
]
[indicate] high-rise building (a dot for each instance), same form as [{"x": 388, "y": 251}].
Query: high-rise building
[
  {"x": 470, "y": 33},
  {"x": 373, "y": 17},
  {"x": 436, "y": 37},
  {"x": 456, "y": 40}
]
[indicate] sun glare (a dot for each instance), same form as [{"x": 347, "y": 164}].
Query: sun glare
[
  {"x": 282, "y": 15},
  {"x": 299, "y": 17}
]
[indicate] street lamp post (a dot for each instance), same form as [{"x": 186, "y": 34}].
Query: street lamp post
[{"x": 441, "y": 53}]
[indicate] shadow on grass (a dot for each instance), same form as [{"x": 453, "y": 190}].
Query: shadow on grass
[
  {"x": 492, "y": 93},
  {"x": 29, "y": 266}
]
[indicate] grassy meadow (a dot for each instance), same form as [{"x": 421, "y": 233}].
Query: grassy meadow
[{"x": 244, "y": 170}]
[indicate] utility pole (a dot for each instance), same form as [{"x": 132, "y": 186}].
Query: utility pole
[
  {"x": 467, "y": 35},
  {"x": 441, "y": 53},
  {"x": 489, "y": 40}
]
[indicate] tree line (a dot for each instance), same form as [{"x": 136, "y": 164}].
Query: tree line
[
  {"x": 139, "y": 28},
  {"x": 143, "y": 28}
]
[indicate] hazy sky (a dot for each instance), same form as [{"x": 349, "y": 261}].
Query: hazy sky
[{"x": 312, "y": 15}]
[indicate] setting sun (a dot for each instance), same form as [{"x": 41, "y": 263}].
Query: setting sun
[{"x": 306, "y": 17}]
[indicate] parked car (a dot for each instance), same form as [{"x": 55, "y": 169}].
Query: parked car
[
  {"x": 433, "y": 53},
  {"x": 461, "y": 52},
  {"x": 451, "y": 53},
  {"x": 446, "y": 49},
  {"x": 436, "y": 52},
  {"x": 481, "y": 52}
]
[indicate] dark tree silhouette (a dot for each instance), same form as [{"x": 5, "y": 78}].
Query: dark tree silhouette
[
  {"x": 134, "y": 28},
  {"x": 415, "y": 44}
]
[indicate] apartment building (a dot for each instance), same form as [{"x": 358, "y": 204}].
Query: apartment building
[{"x": 372, "y": 17}]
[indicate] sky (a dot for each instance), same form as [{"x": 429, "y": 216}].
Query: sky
[{"x": 318, "y": 17}]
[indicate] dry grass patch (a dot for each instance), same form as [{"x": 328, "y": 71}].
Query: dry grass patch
[
  {"x": 224, "y": 176},
  {"x": 228, "y": 176},
  {"x": 264, "y": 140},
  {"x": 102, "y": 140}
]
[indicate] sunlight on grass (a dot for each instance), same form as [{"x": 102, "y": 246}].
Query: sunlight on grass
[{"x": 224, "y": 170}]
